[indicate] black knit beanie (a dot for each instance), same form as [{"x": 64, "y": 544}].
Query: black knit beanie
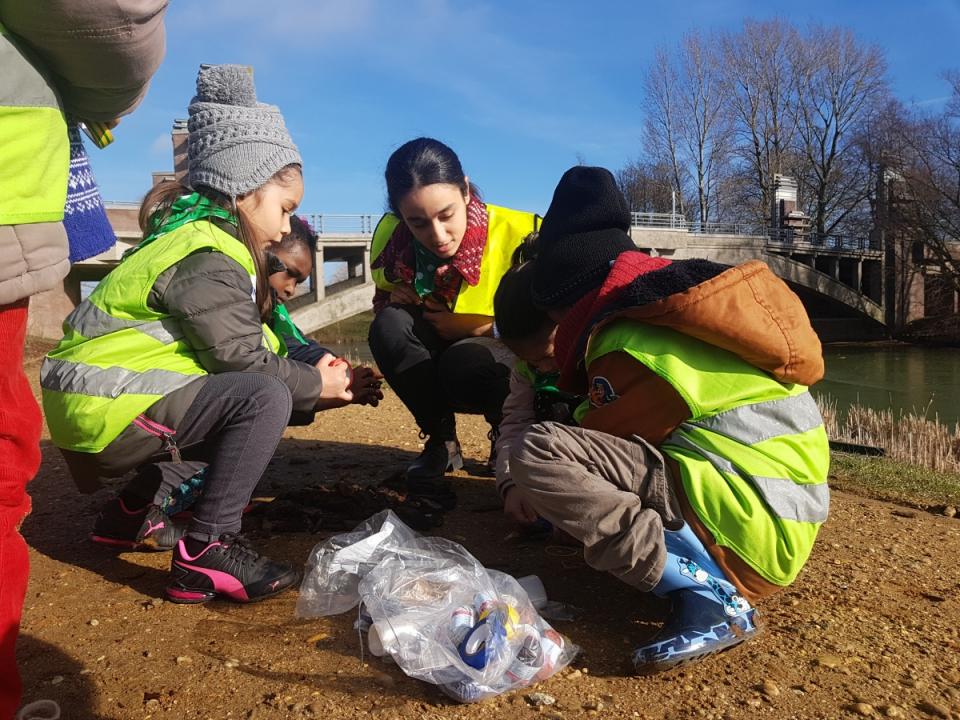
[{"x": 583, "y": 232}]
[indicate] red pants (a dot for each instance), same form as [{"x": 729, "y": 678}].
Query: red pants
[{"x": 20, "y": 423}]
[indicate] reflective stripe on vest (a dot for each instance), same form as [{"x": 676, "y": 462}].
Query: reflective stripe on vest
[
  {"x": 111, "y": 382},
  {"x": 506, "y": 229},
  {"x": 119, "y": 356},
  {"x": 92, "y": 322},
  {"x": 753, "y": 457},
  {"x": 751, "y": 424},
  {"x": 787, "y": 499},
  {"x": 34, "y": 148}
]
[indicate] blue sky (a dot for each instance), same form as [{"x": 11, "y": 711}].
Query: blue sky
[{"x": 520, "y": 90}]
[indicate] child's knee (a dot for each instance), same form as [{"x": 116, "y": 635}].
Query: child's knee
[
  {"x": 535, "y": 449},
  {"x": 271, "y": 394}
]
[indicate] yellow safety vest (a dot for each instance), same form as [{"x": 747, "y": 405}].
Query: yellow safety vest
[
  {"x": 118, "y": 356},
  {"x": 34, "y": 147},
  {"x": 754, "y": 455},
  {"x": 506, "y": 229}
]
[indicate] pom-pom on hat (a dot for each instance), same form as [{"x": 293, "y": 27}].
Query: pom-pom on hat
[
  {"x": 583, "y": 232},
  {"x": 235, "y": 144}
]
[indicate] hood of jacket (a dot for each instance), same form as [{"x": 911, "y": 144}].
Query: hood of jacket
[{"x": 746, "y": 310}]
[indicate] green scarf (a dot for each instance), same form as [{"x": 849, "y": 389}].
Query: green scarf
[
  {"x": 185, "y": 209},
  {"x": 283, "y": 326},
  {"x": 546, "y": 382},
  {"x": 425, "y": 272}
]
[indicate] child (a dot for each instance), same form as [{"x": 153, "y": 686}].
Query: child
[
  {"x": 167, "y": 361},
  {"x": 290, "y": 263},
  {"x": 534, "y": 397},
  {"x": 699, "y": 468}
]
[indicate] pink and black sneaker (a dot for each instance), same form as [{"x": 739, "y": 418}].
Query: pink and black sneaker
[
  {"x": 148, "y": 528},
  {"x": 229, "y": 568}
]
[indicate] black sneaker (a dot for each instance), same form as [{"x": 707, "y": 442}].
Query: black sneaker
[
  {"x": 148, "y": 528},
  {"x": 229, "y": 567},
  {"x": 438, "y": 457}
]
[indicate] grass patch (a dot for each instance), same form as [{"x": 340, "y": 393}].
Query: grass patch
[{"x": 894, "y": 480}]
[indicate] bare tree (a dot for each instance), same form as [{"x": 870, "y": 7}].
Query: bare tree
[
  {"x": 932, "y": 179},
  {"x": 647, "y": 186},
  {"x": 839, "y": 85},
  {"x": 686, "y": 125},
  {"x": 760, "y": 88},
  {"x": 662, "y": 126}
]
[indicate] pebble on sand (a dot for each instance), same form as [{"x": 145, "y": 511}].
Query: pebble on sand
[
  {"x": 830, "y": 661},
  {"x": 770, "y": 688},
  {"x": 539, "y": 699}
]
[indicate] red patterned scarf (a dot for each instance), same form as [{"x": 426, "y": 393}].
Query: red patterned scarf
[
  {"x": 569, "y": 342},
  {"x": 399, "y": 261}
]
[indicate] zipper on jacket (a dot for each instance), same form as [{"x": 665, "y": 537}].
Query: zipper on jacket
[{"x": 160, "y": 431}]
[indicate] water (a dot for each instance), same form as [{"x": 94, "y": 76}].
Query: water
[
  {"x": 911, "y": 379},
  {"x": 347, "y": 338}
]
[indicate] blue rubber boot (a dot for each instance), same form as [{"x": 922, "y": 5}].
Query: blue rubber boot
[{"x": 707, "y": 616}]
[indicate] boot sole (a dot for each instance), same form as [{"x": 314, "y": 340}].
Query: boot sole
[{"x": 681, "y": 659}]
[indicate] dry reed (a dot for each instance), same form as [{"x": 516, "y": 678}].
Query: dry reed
[{"x": 908, "y": 436}]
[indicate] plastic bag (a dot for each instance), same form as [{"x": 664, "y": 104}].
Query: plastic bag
[{"x": 434, "y": 609}]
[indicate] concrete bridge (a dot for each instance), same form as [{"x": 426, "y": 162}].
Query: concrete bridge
[{"x": 839, "y": 280}]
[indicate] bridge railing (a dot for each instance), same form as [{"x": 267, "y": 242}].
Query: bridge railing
[
  {"x": 328, "y": 224},
  {"x": 783, "y": 239},
  {"x": 676, "y": 221}
]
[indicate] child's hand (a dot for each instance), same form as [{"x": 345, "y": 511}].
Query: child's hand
[
  {"x": 366, "y": 386},
  {"x": 404, "y": 295},
  {"x": 518, "y": 508},
  {"x": 335, "y": 374}
]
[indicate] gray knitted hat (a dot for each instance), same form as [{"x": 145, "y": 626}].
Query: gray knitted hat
[{"x": 235, "y": 143}]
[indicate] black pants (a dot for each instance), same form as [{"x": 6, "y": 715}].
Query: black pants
[
  {"x": 434, "y": 377},
  {"x": 232, "y": 427}
]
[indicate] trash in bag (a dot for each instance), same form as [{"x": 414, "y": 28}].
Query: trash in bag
[{"x": 435, "y": 610}]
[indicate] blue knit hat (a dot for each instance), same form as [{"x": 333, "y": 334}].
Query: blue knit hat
[{"x": 84, "y": 216}]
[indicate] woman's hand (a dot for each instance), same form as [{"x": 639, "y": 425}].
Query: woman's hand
[
  {"x": 518, "y": 508},
  {"x": 404, "y": 295},
  {"x": 366, "y": 386},
  {"x": 454, "y": 326},
  {"x": 335, "y": 374}
]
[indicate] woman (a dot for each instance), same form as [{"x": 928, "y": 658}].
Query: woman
[{"x": 437, "y": 258}]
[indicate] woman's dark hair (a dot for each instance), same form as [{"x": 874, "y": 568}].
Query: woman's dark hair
[
  {"x": 422, "y": 162},
  {"x": 156, "y": 205},
  {"x": 301, "y": 234},
  {"x": 514, "y": 312}
]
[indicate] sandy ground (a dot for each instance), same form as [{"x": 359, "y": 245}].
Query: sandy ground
[{"x": 870, "y": 628}]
